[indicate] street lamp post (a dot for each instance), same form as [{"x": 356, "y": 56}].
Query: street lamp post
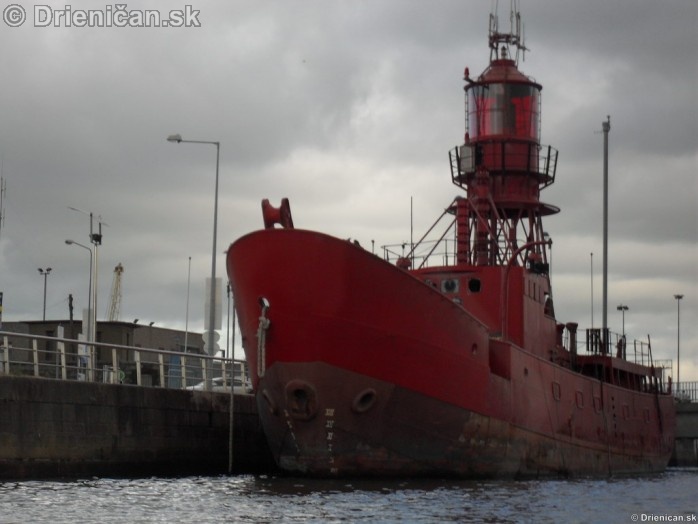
[
  {"x": 96, "y": 241},
  {"x": 90, "y": 316},
  {"x": 678, "y": 340},
  {"x": 212, "y": 299},
  {"x": 623, "y": 308},
  {"x": 45, "y": 273},
  {"x": 606, "y": 126},
  {"x": 621, "y": 343}
]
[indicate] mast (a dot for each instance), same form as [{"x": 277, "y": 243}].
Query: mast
[{"x": 502, "y": 166}]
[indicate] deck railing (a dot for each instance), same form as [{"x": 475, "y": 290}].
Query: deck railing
[{"x": 68, "y": 359}]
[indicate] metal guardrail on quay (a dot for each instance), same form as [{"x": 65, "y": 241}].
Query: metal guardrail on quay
[
  {"x": 69, "y": 359},
  {"x": 686, "y": 391}
]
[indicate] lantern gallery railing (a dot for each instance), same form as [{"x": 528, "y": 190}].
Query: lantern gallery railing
[{"x": 510, "y": 157}]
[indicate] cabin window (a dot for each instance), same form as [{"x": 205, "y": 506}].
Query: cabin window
[
  {"x": 557, "y": 391},
  {"x": 579, "y": 398},
  {"x": 474, "y": 285},
  {"x": 450, "y": 285}
]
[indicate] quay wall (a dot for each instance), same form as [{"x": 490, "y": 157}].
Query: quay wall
[
  {"x": 59, "y": 428},
  {"x": 686, "y": 444}
]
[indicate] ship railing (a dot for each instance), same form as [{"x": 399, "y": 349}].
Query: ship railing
[
  {"x": 427, "y": 253},
  {"x": 637, "y": 352},
  {"x": 616, "y": 344},
  {"x": 68, "y": 359}
]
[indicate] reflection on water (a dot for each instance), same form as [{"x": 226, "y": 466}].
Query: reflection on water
[{"x": 272, "y": 499}]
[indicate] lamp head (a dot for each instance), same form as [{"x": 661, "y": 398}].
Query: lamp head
[{"x": 175, "y": 138}]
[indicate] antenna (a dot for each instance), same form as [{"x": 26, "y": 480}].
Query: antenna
[
  {"x": 501, "y": 44},
  {"x": 95, "y": 238}
]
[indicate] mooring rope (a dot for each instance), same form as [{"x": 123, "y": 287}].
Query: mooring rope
[{"x": 262, "y": 340}]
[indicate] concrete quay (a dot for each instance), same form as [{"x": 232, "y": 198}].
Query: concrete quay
[
  {"x": 56, "y": 428},
  {"x": 686, "y": 444}
]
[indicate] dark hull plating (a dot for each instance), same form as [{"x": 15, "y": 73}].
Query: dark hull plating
[{"x": 403, "y": 433}]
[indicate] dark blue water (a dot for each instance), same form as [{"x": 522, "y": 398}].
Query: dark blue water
[{"x": 671, "y": 495}]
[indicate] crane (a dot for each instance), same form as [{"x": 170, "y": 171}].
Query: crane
[{"x": 115, "y": 302}]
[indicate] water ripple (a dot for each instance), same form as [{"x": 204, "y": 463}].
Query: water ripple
[{"x": 264, "y": 499}]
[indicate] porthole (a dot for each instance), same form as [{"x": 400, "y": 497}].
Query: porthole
[
  {"x": 449, "y": 285},
  {"x": 364, "y": 401},
  {"x": 474, "y": 285}
]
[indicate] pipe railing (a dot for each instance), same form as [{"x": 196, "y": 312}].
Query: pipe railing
[
  {"x": 686, "y": 391},
  {"x": 68, "y": 359}
]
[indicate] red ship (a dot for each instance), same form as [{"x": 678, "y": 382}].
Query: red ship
[{"x": 447, "y": 359}]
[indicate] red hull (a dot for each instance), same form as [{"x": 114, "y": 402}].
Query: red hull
[{"x": 369, "y": 370}]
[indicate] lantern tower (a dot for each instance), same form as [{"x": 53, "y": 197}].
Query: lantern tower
[{"x": 502, "y": 165}]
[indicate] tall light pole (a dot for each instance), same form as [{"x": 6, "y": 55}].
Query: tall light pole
[
  {"x": 45, "y": 273},
  {"x": 678, "y": 339},
  {"x": 592, "y": 289},
  {"x": 623, "y": 308},
  {"x": 90, "y": 316},
  {"x": 186, "y": 318},
  {"x": 606, "y": 126},
  {"x": 212, "y": 299},
  {"x": 96, "y": 241}
]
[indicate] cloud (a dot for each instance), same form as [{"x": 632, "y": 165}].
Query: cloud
[{"x": 348, "y": 108}]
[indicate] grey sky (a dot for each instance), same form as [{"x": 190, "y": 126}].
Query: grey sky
[{"x": 348, "y": 108}]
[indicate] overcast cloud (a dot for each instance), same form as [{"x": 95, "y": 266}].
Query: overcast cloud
[{"x": 347, "y": 107}]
